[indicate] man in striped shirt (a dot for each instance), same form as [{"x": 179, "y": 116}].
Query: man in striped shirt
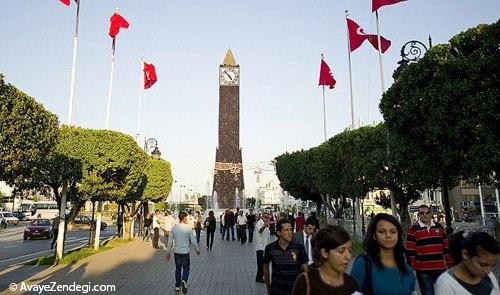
[{"x": 427, "y": 250}]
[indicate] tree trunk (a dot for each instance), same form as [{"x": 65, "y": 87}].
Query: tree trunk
[
  {"x": 446, "y": 205},
  {"x": 353, "y": 217},
  {"x": 403, "y": 212}
]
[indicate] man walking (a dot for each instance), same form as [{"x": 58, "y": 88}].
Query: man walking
[
  {"x": 304, "y": 238},
  {"x": 242, "y": 227},
  {"x": 427, "y": 250},
  {"x": 55, "y": 231},
  {"x": 147, "y": 227},
  {"x": 156, "y": 228},
  {"x": 119, "y": 223},
  {"x": 288, "y": 260},
  {"x": 183, "y": 236},
  {"x": 261, "y": 240},
  {"x": 229, "y": 223},
  {"x": 250, "y": 225}
]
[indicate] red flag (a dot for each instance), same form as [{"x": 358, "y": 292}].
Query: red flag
[
  {"x": 376, "y": 4},
  {"x": 67, "y": 2},
  {"x": 325, "y": 75},
  {"x": 117, "y": 22},
  {"x": 149, "y": 75},
  {"x": 357, "y": 36}
]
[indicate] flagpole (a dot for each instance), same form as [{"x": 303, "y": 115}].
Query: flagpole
[
  {"x": 140, "y": 100},
  {"x": 110, "y": 90},
  {"x": 73, "y": 66},
  {"x": 324, "y": 112},
  {"x": 380, "y": 55},
  {"x": 350, "y": 71},
  {"x": 392, "y": 196}
]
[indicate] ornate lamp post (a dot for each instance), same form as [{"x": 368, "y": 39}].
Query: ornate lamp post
[
  {"x": 151, "y": 144},
  {"x": 411, "y": 51}
]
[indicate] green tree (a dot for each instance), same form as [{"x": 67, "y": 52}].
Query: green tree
[
  {"x": 113, "y": 167},
  {"x": 251, "y": 203},
  {"x": 159, "y": 180},
  {"x": 446, "y": 108},
  {"x": 203, "y": 201},
  {"x": 28, "y": 134},
  {"x": 292, "y": 171}
]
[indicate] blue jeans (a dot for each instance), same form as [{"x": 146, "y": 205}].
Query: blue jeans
[
  {"x": 227, "y": 232},
  {"x": 427, "y": 279},
  {"x": 181, "y": 262}
]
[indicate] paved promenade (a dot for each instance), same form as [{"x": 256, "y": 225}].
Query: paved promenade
[{"x": 137, "y": 268}]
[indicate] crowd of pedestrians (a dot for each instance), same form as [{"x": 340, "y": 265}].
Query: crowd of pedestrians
[
  {"x": 315, "y": 261},
  {"x": 294, "y": 256}
]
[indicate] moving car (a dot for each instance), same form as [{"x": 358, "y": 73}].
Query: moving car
[
  {"x": 9, "y": 218},
  {"x": 82, "y": 221},
  {"x": 38, "y": 228},
  {"x": 20, "y": 215}
]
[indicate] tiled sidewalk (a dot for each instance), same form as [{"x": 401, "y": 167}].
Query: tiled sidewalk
[{"x": 137, "y": 268}]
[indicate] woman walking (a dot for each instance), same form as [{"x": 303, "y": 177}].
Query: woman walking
[
  {"x": 332, "y": 253},
  {"x": 383, "y": 268},
  {"x": 474, "y": 256},
  {"x": 210, "y": 224},
  {"x": 197, "y": 226}
]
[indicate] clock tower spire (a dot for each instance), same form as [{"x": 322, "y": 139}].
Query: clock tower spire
[{"x": 228, "y": 172}]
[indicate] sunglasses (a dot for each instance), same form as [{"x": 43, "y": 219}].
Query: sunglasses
[{"x": 424, "y": 213}]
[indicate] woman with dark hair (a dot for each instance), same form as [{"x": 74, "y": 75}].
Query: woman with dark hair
[
  {"x": 474, "y": 256},
  {"x": 383, "y": 268},
  {"x": 332, "y": 253},
  {"x": 210, "y": 224}
]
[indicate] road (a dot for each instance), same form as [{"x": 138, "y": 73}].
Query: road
[{"x": 13, "y": 249}]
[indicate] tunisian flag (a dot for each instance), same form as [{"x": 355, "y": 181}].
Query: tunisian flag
[
  {"x": 149, "y": 75},
  {"x": 376, "y": 4},
  {"x": 357, "y": 36},
  {"x": 117, "y": 22},
  {"x": 67, "y": 2},
  {"x": 325, "y": 75}
]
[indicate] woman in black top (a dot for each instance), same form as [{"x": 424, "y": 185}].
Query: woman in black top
[
  {"x": 210, "y": 227},
  {"x": 332, "y": 253}
]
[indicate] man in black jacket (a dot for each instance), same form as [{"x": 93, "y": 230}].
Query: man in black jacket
[
  {"x": 250, "y": 225},
  {"x": 229, "y": 223}
]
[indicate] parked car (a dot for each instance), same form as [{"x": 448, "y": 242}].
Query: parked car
[
  {"x": 9, "y": 218},
  {"x": 83, "y": 221},
  {"x": 38, "y": 228},
  {"x": 20, "y": 215}
]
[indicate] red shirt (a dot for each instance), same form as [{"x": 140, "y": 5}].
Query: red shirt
[{"x": 299, "y": 223}]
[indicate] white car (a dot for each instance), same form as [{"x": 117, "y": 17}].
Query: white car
[{"x": 9, "y": 218}]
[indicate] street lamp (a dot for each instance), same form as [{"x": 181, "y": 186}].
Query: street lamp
[
  {"x": 151, "y": 144},
  {"x": 411, "y": 51}
]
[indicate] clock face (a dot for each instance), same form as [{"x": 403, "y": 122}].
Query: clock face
[{"x": 229, "y": 76}]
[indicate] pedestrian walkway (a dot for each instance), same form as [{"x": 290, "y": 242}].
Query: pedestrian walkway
[{"x": 137, "y": 268}]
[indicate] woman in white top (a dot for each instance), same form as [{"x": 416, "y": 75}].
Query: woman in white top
[{"x": 474, "y": 256}]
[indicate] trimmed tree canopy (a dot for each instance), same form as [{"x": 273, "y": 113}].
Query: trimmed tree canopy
[
  {"x": 28, "y": 134},
  {"x": 159, "y": 180},
  {"x": 112, "y": 163},
  {"x": 447, "y": 106}
]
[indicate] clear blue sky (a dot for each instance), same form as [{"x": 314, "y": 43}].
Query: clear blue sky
[{"x": 276, "y": 43}]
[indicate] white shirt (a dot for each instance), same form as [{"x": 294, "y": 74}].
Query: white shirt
[
  {"x": 190, "y": 221},
  {"x": 307, "y": 246},
  {"x": 156, "y": 221},
  {"x": 447, "y": 285},
  {"x": 242, "y": 220},
  {"x": 169, "y": 222},
  {"x": 261, "y": 239}
]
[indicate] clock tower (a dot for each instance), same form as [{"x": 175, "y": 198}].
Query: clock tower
[{"x": 228, "y": 172}]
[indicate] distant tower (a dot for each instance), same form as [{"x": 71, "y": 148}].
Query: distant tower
[{"x": 228, "y": 173}]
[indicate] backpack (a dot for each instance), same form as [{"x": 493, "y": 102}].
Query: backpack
[{"x": 367, "y": 284}]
